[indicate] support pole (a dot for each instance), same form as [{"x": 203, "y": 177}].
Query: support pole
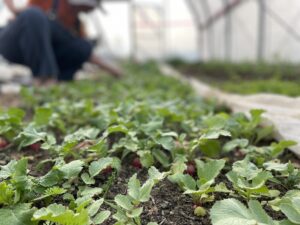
[
  {"x": 262, "y": 25},
  {"x": 228, "y": 33},
  {"x": 210, "y": 30},
  {"x": 132, "y": 30},
  {"x": 193, "y": 7}
]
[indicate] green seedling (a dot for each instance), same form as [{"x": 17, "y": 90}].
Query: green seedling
[
  {"x": 249, "y": 181},
  {"x": 202, "y": 188},
  {"x": 129, "y": 206}
]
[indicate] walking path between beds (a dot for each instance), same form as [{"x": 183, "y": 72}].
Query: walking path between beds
[{"x": 281, "y": 111}]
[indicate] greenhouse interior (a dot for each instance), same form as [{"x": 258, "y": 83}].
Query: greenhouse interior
[{"x": 149, "y": 112}]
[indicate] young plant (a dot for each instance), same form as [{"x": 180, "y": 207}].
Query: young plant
[
  {"x": 260, "y": 155},
  {"x": 231, "y": 211},
  {"x": 249, "y": 181},
  {"x": 61, "y": 173},
  {"x": 209, "y": 143},
  {"x": 86, "y": 213},
  {"x": 100, "y": 166},
  {"x": 56, "y": 213},
  {"x": 19, "y": 214},
  {"x": 30, "y": 137},
  {"x": 129, "y": 206},
  {"x": 289, "y": 205},
  {"x": 286, "y": 174},
  {"x": 11, "y": 122},
  {"x": 6, "y": 194},
  {"x": 15, "y": 183},
  {"x": 202, "y": 188}
]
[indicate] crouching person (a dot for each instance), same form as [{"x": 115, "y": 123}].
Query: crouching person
[{"x": 47, "y": 37}]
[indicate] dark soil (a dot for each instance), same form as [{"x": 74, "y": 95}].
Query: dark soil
[
  {"x": 169, "y": 206},
  {"x": 9, "y": 101}
]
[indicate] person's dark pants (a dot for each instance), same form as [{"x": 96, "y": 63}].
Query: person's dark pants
[{"x": 43, "y": 45}]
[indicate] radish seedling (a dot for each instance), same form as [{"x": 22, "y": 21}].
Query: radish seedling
[
  {"x": 249, "y": 181},
  {"x": 129, "y": 206},
  {"x": 202, "y": 189}
]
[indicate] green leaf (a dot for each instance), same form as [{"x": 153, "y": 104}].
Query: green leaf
[
  {"x": 155, "y": 175},
  {"x": 161, "y": 157},
  {"x": 82, "y": 134},
  {"x": 101, "y": 217},
  {"x": 230, "y": 212},
  {"x": 233, "y": 212},
  {"x": 96, "y": 167},
  {"x": 166, "y": 142},
  {"x": 53, "y": 191},
  {"x": 116, "y": 129},
  {"x": 236, "y": 143},
  {"x": 94, "y": 207},
  {"x": 124, "y": 202},
  {"x": 72, "y": 169},
  {"x": 100, "y": 147},
  {"x": 245, "y": 168},
  {"x": 210, "y": 170},
  {"x": 6, "y": 194},
  {"x": 61, "y": 215},
  {"x": 16, "y": 114},
  {"x": 91, "y": 191},
  {"x": 146, "y": 158},
  {"x": 221, "y": 187},
  {"x": 279, "y": 167},
  {"x": 256, "y": 117},
  {"x": 52, "y": 178},
  {"x": 290, "y": 206},
  {"x": 210, "y": 148},
  {"x": 145, "y": 191},
  {"x": 30, "y": 136},
  {"x": 87, "y": 179},
  {"x": 259, "y": 214},
  {"x": 151, "y": 127},
  {"x": 135, "y": 212},
  {"x": 215, "y": 134},
  {"x": 7, "y": 170},
  {"x": 188, "y": 182},
  {"x": 17, "y": 215},
  {"x": 277, "y": 148},
  {"x": 19, "y": 177},
  {"x": 42, "y": 116},
  {"x": 134, "y": 186}
]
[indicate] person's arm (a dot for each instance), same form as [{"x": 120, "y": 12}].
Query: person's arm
[
  {"x": 114, "y": 71},
  {"x": 12, "y": 7}
]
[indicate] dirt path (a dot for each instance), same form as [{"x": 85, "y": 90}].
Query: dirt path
[{"x": 281, "y": 111}]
